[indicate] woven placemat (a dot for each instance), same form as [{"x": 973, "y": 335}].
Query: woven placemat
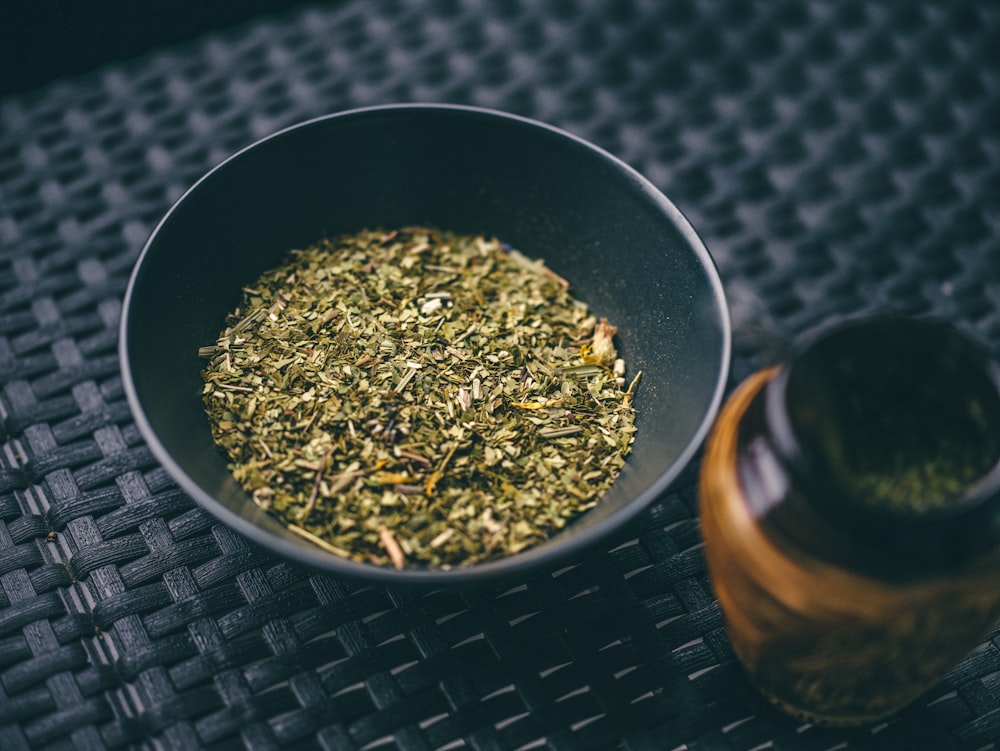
[{"x": 837, "y": 157}]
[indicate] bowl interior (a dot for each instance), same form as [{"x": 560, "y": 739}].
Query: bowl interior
[{"x": 624, "y": 248}]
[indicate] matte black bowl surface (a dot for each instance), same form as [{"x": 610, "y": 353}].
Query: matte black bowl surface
[{"x": 626, "y": 250}]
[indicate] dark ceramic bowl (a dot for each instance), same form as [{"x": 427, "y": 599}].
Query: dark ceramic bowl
[{"x": 626, "y": 250}]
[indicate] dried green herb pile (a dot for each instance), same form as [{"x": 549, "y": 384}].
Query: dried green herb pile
[{"x": 416, "y": 397}]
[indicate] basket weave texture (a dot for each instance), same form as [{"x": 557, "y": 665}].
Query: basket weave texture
[{"x": 836, "y": 157}]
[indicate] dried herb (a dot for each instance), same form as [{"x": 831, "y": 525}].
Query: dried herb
[
  {"x": 917, "y": 485},
  {"x": 418, "y": 397},
  {"x": 897, "y": 446}
]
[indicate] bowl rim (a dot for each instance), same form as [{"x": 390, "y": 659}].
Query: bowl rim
[{"x": 521, "y": 563}]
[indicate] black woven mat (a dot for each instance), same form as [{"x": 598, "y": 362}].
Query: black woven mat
[{"x": 835, "y": 156}]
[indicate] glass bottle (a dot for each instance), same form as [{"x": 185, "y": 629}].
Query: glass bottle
[{"x": 850, "y": 507}]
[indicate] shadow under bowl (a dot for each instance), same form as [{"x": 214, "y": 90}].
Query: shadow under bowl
[{"x": 626, "y": 250}]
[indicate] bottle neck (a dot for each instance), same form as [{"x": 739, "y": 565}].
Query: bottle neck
[{"x": 807, "y": 501}]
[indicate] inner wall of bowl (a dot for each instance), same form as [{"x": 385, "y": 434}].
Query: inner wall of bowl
[{"x": 621, "y": 246}]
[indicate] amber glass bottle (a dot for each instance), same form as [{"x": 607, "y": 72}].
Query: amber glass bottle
[{"x": 850, "y": 506}]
